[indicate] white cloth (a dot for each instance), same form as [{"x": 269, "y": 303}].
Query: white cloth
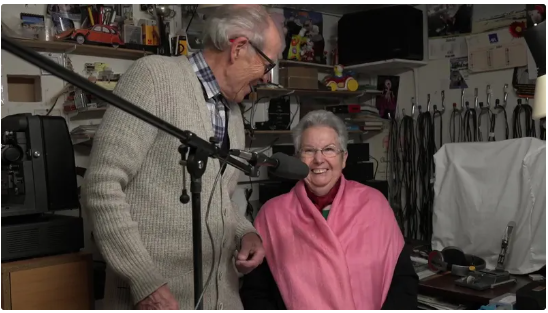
[{"x": 480, "y": 188}]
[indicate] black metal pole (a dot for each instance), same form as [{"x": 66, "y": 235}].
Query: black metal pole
[{"x": 195, "y": 191}]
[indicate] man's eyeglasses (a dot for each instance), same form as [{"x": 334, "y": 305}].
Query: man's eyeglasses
[
  {"x": 328, "y": 152},
  {"x": 267, "y": 67}
]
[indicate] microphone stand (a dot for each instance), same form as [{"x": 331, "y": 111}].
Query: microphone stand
[{"x": 198, "y": 149}]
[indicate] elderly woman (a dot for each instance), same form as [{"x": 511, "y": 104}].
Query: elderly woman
[{"x": 330, "y": 243}]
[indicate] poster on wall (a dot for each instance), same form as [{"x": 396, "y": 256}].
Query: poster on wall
[
  {"x": 489, "y": 17},
  {"x": 304, "y": 36},
  {"x": 458, "y": 73},
  {"x": 449, "y": 19},
  {"x": 387, "y": 101}
]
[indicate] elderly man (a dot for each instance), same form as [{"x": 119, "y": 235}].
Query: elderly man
[{"x": 134, "y": 180}]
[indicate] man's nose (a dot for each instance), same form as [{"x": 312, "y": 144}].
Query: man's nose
[{"x": 265, "y": 79}]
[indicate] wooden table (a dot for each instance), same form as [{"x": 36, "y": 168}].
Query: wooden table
[
  {"x": 61, "y": 282},
  {"x": 443, "y": 285}
]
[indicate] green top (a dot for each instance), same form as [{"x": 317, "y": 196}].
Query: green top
[{"x": 325, "y": 212}]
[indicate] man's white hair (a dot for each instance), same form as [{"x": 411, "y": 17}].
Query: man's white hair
[{"x": 231, "y": 21}]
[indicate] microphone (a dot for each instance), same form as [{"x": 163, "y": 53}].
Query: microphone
[{"x": 279, "y": 164}]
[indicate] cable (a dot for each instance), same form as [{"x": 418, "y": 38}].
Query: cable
[
  {"x": 395, "y": 178},
  {"x": 494, "y": 115},
  {"x": 408, "y": 148},
  {"x": 208, "y": 281},
  {"x": 454, "y": 122},
  {"x": 470, "y": 131},
  {"x": 484, "y": 111},
  {"x": 437, "y": 113},
  {"x": 425, "y": 168},
  {"x": 530, "y": 129},
  {"x": 376, "y": 166}
]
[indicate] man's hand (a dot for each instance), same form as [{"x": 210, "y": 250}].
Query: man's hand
[
  {"x": 161, "y": 299},
  {"x": 251, "y": 253}
]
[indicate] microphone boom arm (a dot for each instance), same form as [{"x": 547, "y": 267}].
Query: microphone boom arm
[{"x": 186, "y": 137}]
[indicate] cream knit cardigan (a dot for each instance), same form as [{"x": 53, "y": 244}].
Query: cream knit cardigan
[{"x": 132, "y": 187}]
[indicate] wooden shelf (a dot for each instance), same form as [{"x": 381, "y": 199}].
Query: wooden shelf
[
  {"x": 280, "y": 92},
  {"x": 288, "y": 132},
  {"x": 321, "y": 67},
  {"x": 386, "y": 67},
  {"x": 91, "y": 113},
  {"x": 74, "y": 48}
]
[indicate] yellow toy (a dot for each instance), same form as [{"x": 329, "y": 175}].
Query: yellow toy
[
  {"x": 340, "y": 81},
  {"x": 297, "y": 41}
]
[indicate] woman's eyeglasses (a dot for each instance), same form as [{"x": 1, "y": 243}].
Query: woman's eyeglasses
[{"x": 328, "y": 152}]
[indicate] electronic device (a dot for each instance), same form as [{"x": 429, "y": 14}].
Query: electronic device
[
  {"x": 380, "y": 185},
  {"x": 360, "y": 172},
  {"x": 38, "y": 177},
  {"x": 40, "y": 235},
  {"x": 38, "y": 169},
  {"x": 454, "y": 260},
  {"x": 279, "y": 164},
  {"x": 279, "y": 115},
  {"x": 373, "y": 35},
  {"x": 484, "y": 279}
]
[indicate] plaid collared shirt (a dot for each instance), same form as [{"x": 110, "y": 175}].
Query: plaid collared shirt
[{"x": 216, "y": 103}]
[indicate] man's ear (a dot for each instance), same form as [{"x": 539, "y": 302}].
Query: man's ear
[{"x": 237, "y": 47}]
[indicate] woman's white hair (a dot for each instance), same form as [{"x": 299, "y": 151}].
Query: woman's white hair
[
  {"x": 231, "y": 21},
  {"x": 320, "y": 118}
]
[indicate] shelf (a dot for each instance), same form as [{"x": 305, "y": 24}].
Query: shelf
[
  {"x": 386, "y": 67},
  {"x": 288, "y": 132},
  {"x": 321, "y": 67},
  {"x": 91, "y": 113},
  {"x": 74, "y": 48},
  {"x": 280, "y": 92}
]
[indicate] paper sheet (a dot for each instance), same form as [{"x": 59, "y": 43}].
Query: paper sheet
[{"x": 445, "y": 48}]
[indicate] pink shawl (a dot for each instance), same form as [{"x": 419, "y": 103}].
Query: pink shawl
[{"x": 344, "y": 262}]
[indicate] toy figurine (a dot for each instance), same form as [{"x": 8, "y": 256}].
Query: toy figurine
[
  {"x": 295, "y": 47},
  {"x": 101, "y": 34},
  {"x": 340, "y": 81}
]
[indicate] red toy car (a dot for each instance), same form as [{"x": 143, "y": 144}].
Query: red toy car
[{"x": 99, "y": 34}]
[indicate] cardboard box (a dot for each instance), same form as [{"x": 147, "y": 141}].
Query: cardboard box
[{"x": 299, "y": 78}]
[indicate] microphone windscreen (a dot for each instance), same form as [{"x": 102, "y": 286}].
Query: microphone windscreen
[{"x": 289, "y": 167}]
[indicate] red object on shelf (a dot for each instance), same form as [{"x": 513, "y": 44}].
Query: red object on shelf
[{"x": 98, "y": 33}]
